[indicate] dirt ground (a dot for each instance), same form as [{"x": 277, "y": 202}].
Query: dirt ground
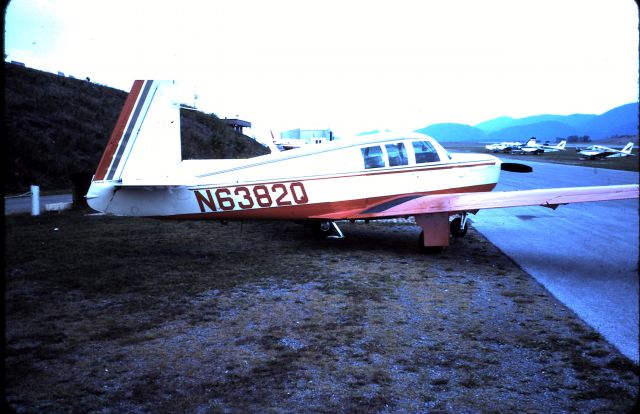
[{"x": 107, "y": 314}]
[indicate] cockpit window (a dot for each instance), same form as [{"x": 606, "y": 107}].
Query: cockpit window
[
  {"x": 397, "y": 154},
  {"x": 372, "y": 157},
  {"x": 425, "y": 152}
]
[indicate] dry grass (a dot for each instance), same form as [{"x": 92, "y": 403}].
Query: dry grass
[{"x": 110, "y": 314}]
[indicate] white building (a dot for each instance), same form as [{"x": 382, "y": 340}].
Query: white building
[{"x": 307, "y": 136}]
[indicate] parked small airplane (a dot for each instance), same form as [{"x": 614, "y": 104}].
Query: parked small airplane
[
  {"x": 598, "y": 151},
  {"x": 293, "y": 143},
  {"x": 142, "y": 173},
  {"x": 503, "y": 146},
  {"x": 284, "y": 145},
  {"x": 532, "y": 147}
]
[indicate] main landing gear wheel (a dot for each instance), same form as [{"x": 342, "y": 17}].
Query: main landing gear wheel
[
  {"x": 428, "y": 249},
  {"x": 322, "y": 228},
  {"x": 459, "y": 227},
  {"x": 328, "y": 229}
]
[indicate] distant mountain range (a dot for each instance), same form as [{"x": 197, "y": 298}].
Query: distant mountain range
[{"x": 622, "y": 120}]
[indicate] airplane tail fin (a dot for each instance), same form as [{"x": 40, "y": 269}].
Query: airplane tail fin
[
  {"x": 561, "y": 145},
  {"x": 146, "y": 139},
  {"x": 272, "y": 145},
  {"x": 627, "y": 148},
  {"x": 531, "y": 142}
]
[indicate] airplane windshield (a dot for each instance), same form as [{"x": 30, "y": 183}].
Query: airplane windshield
[
  {"x": 425, "y": 152},
  {"x": 397, "y": 154},
  {"x": 372, "y": 157}
]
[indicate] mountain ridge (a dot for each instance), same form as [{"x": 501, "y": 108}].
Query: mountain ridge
[{"x": 621, "y": 120}]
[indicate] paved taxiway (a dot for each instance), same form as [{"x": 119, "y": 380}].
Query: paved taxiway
[{"x": 585, "y": 254}]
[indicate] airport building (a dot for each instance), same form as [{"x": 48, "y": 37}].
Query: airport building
[
  {"x": 238, "y": 125},
  {"x": 308, "y": 136}
]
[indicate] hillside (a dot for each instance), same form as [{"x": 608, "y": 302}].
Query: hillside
[
  {"x": 453, "y": 132},
  {"x": 496, "y": 124},
  {"x": 57, "y": 126},
  {"x": 574, "y": 121},
  {"x": 620, "y": 121},
  {"x": 545, "y": 130}
]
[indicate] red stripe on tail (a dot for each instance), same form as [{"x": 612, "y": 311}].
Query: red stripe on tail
[{"x": 118, "y": 131}]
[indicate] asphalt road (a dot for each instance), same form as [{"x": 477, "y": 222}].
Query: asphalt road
[
  {"x": 23, "y": 204},
  {"x": 585, "y": 254}
]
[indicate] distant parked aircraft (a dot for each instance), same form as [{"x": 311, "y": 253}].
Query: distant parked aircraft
[
  {"x": 284, "y": 145},
  {"x": 503, "y": 146},
  {"x": 292, "y": 143},
  {"x": 598, "y": 151},
  {"x": 532, "y": 147}
]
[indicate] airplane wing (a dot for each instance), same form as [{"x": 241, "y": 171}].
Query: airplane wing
[{"x": 471, "y": 202}]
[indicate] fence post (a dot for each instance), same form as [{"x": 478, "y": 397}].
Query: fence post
[{"x": 35, "y": 200}]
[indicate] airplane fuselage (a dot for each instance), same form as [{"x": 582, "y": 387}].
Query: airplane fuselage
[
  {"x": 141, "y": 173},
  {"x": 305, "y": 183}
]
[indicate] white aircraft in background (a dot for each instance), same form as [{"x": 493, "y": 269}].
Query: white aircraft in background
[
  {"x": 285, "y": 145},
  {"x": 598, "y": 151},
  {"x": 142, "y": 173},
  {"x": 532, "y": 147},
  {"x": 503, "y": 146}
]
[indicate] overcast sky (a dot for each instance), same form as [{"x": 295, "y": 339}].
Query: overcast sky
[{"x": 350, "y": 66}]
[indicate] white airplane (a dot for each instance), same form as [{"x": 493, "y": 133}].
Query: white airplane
[
  {"x": 503, "y": 146},
  {"x": 532, "y": 147},
  {"x": 141, "y": 173},
  {"x": 598, "y": 151},
  {"x": 284, "y": 145}
]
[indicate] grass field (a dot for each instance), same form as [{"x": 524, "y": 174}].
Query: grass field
[{"x": 108, "y": 314}]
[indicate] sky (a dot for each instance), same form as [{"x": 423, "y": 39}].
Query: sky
[{"x": 347, "y": 65}]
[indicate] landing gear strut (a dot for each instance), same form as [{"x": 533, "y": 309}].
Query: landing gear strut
[{"x": 329, "y": 229}]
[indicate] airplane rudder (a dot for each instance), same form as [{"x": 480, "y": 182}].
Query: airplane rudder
[
  {"x": 118, "y": 134},
  {"x": 155, "y": 143}
]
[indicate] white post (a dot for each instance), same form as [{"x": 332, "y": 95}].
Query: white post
[{"x": 35, "y": 200}]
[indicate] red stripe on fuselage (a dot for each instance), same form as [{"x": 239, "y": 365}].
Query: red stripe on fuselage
[
  {"x": 118, "y": 130},
  {"x": 345, "y": 209}
]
